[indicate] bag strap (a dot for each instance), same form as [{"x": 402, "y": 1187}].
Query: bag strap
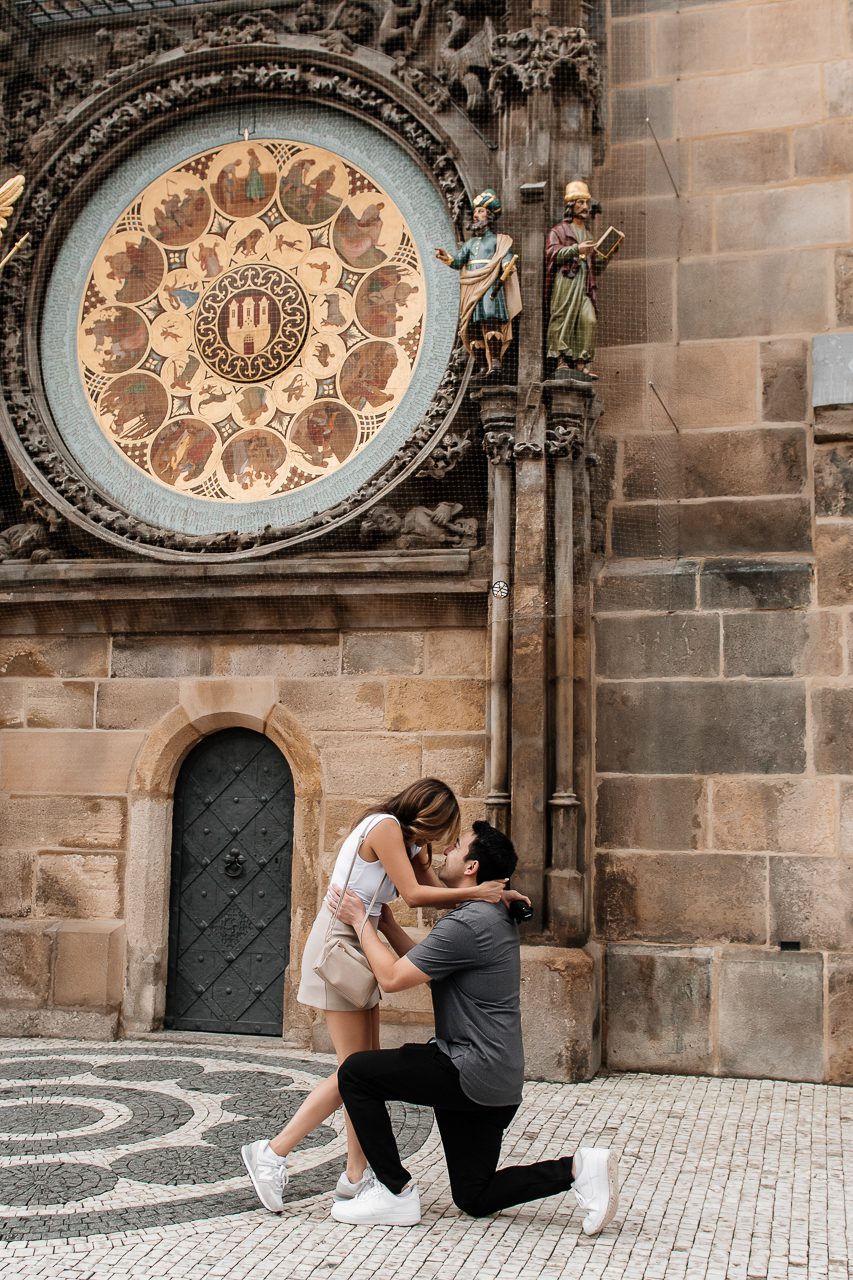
[{"x": 364, "y": 833}]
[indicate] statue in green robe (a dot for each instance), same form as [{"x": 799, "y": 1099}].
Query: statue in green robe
[{"x": 572, "y": 266}]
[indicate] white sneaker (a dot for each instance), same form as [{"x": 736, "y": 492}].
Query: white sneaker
[
  {"x": 376, "y": 1206},
  {"x": 346, "y": 1190},
  {"x": 268, "y": 1173},
  {"x": 595, "y": 1173}
]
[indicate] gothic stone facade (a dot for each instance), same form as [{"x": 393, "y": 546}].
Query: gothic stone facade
[{"x": 688, "y": 842}]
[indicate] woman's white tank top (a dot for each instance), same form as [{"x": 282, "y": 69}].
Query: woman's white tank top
[{"x": 366, "y": 876}]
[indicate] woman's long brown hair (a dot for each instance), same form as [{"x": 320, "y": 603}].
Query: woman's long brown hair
[{"x": 427, "y": 811}]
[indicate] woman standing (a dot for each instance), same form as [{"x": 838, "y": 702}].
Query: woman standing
[{"x": 390, "y": 852}]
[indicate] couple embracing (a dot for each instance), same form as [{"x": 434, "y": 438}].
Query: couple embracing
[{"x": 471, "y": 1073}]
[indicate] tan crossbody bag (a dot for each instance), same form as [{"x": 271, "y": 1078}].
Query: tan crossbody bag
[{"x": 343, "y": 965}]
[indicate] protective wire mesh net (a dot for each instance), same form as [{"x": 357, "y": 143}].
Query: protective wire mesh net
[{"x": 77, "y": 47}]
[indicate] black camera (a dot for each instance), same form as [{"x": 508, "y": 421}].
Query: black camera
[{"x": 519, "y": 911}]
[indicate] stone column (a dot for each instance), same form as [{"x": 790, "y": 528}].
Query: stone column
[{"x": 565, "y": 913}]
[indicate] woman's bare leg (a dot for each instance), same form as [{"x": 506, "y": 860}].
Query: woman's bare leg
[{"x": 350, "y": 1033}]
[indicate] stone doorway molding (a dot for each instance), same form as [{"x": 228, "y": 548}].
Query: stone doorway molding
[{"x": 205, "y": 707}]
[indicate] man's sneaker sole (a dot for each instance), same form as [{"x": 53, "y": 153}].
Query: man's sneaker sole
[
  {"x": 404, "y": 1216},
  {"x": 612, "y": 1194},
  {"x": 260, "y": 1190}
]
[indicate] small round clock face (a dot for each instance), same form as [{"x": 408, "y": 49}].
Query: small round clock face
[{"x": 251, "y": 321}]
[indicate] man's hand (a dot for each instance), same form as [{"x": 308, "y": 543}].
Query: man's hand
[
  {"x": 512, "y": 895},
  {"x": 444, "y": 256},
  {"x": 586, "y": 248},
  {"x": 352, "y": 910}
]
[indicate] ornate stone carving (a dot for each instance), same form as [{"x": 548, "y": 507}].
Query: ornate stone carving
[
  {"x": 35, "y": 451},
  {"x": 465, "y": 57},
  {"x": 564, "y": 438},
  {"x": 211, "y": 31},
  {"x": 542, "y": 57},
  {"x": 27, "y": 541},
  {"x": 445, "y": 457},
  {"x": 420, "y": 527},
  {"x": 527, "y": 449},
  {"x": 499, "y": 446},
  {"x": 419, "y": 79}
]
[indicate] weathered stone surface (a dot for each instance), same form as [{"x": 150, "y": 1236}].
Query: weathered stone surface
[
  {"x": 720, "y": 463},
  {"x": 677, "y": 644},
  {"x": 25, "y": 971},
  {"x": 335, "y": 704},
  {"x": 382, "y": 653},
  {"x": 839, "y": 88},
  {"x": 771, "y": 1015},
  {"x": 11, "y": 704},
  {"x": 832, "y": 715},
  {"x": 435, "y": 704},
  {"x": 134, "y": 704},
  {"x": 339, "y": 817},
  {"x": 249, "y": 656},
  {"x": 833, "y": 422},
  {"x": 658, "y": 1009},
  {"x": 844, "y": 286},
  {"x": 70, "y": 762},
  {"x": 740, "y": 160},
  {"x": 824, "y": 150},
  {"x": 782, "y": 644},
  {"x": 60, "y": 704},
  {"x": 755, "y": 584},
  {"x": 377, "y": 765},
  {"x": 89, "y": 963},
  {"x": 459, "y": 759},
  {"x": 795, "y": 31},
  {"x": 630, "y": 107},
  {"x": 649, "y": 813},
  {"x": 619, "y": 175},
  {"x": 650, "y": 317},
  {"x": 833, "y": 479},
  {"x": 663, "y": 226},
  {"x": 701, "y": 726},
  {"x": 834, "y": 563},
  {"x": 768, "y": 99},
  {"x": 54, "y": 656},
  {"x": 60, "y": 1024},
  {"x": 716, "y": 526},
  {"x": 786, "y": 217},
  {"x": 693, "y": 43},
  {"x": 681, "y": 897},
  {"x": 722, "y": 297},
  {"x": 784, "y": 380},
  {"x": 629, "y": 585},
  {"x": 794, "y": 816},
  {"x": 840, "y": 1018},
  {"x": 66, "y": 822},
  {"x": 16, "y": 882},
  {"x": 559, "y": 1011},
  {"x": 77, "y": 886},
  {"x": 456, "y": 653},
  {"x": 630, "y": 52},
  {"x": 811, "y": 902}
]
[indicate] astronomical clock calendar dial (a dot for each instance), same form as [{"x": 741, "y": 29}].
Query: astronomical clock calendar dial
[{"x": 251, "y": 321}]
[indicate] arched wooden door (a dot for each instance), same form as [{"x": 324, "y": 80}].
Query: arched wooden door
[{"x": 229, "y": 926}]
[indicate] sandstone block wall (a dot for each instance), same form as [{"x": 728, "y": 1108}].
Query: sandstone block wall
[
  {"x": 89, "y": 727},
  {"x": 724, "y": 608}
]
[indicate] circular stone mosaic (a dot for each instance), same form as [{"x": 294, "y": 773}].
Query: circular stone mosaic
[{"x": 251, "y": 321}]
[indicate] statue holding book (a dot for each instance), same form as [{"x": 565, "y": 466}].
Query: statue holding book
[
  {"x": 573, "y": 261},
  {"x": 490, "y": 297}
]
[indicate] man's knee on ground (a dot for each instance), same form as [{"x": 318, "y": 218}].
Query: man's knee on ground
[{"x": 471, "y": 1201}]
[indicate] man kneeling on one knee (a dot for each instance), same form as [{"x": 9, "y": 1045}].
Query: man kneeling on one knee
[{"x": 471, "y": 1073}]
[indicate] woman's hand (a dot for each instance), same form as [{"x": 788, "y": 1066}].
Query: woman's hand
[
  {"x": 351, "y": 909},
  {"x": 386, "y": 917},
  {"x": 488, "y": 891},
  {"x": 512, "y": 895}
]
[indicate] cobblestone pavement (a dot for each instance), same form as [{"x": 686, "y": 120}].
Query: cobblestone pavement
[{"x": 123, "y": 1160}]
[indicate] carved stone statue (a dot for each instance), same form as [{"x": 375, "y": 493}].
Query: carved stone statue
[
  {"x": 26, "y": 542},
  {"x": 572, "y": 266},
  {"x": 420, "y": 527},
  {"x": 465, "y": 56},
  {"x": 490, "y": 296},
  {"x": 10, "y": 190},
  {"x": 401, "y": 25}
]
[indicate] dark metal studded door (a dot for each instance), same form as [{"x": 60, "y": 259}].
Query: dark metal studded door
[{"x": 229, "y": 930}]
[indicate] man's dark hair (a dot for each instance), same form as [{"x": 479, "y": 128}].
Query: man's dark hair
[{"x": 493, "y": 851}]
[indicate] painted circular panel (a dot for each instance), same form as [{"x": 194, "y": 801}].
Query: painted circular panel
[{"x": 251, "y": 321}]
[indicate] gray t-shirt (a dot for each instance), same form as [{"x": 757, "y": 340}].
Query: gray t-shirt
[{"x": 473, "y": 958}]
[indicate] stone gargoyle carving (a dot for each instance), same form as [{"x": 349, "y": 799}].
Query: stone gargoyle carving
[{"x": 419, "y": 528}]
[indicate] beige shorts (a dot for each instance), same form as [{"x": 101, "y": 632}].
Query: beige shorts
[{"x": 313, "y": 990}]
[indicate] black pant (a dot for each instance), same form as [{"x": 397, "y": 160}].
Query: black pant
[{"x": 471, "y": 1133}]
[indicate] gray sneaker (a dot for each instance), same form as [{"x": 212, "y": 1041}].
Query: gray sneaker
[
  {"x": 346, "y": 1190},
  {"x": 268, "y": 1173}
]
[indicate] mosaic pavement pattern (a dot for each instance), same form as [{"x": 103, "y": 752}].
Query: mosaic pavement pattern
[{"x": 122, "y": 1160}]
